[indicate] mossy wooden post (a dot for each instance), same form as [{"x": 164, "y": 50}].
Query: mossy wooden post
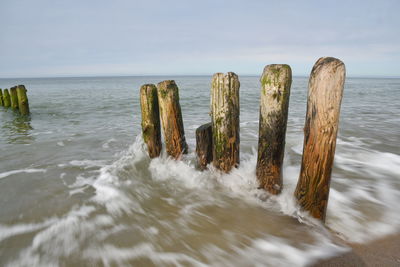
[
  {"x": 325, "y": 90},
  {"x": 1, "y": 98},
  {"x": 14, "y": 97},
  {"x": 23, "y": 104},
  {"x": 6, "y": 99},
  {"x": 171, "y": 118},
  {"x": 150, "y": 119},
  {"x": 204, "y": 145},
  {"x": 274, "y": 104},
  {"x": 225, "y": 120}
]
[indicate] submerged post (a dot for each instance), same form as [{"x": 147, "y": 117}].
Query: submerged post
[
  {"x": 150, "y": 119},
  {"x": 325, "y": 90},
  {"x": 225, "y": 120},
  {"x": 23, "y": 104},
  {"x": 274, "y": 104},
  {"x": 14, "y": 97},
  {"x": 204, "y": 145},
  {"x": 6, "y": 99},
  {"x": 1, "y": 98},
  {"x": 171, "y": 118}
]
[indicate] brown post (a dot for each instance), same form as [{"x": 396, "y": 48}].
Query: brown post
[
  {"x": 274, "y": 104},
  {"x": 204, "y": 145},
  {"x": 14, "y": 97},
  {"x": 171, "y": 118},
  {"x": 23, "y": 104},
  {"x": 1, "y": 98},
  {"x": 150, "y": 119},
  {"x": 325, "y": 90},
  {"x": 6, "y": 99},
  {"x": 225, "y": 120}
]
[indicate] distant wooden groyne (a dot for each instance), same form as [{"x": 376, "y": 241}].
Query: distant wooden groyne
[
  {"x": 218, "y": 141},
  {"x": 15, "y": 98}
]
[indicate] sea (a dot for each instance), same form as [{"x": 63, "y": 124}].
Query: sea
[{"x": 77, "y": 187}]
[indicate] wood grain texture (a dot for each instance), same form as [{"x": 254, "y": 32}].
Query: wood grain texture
[
  {"x": 171, "y": 118},
  {"x": 323, "y": 107},
  {"x": 151, "y": 128},
  {"x": 225, "y": 120},
  {"x": 14, "y": 97},
  {"x": 204, "y": 145},
  {"x": 23, "y": 103},
  {"x": 274, "y": 103},
  {"x": 6, "y": 98}
]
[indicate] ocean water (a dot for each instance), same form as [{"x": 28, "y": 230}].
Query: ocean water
[{"x": 77, "y": 188}]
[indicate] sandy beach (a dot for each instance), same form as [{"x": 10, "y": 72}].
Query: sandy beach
[{"x": 382, "y": 252}]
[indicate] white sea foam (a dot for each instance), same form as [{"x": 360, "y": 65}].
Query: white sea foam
[{"x": 9, "y": 173}]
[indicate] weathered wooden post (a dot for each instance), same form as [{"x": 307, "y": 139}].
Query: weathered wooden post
[
  {"x": 14, "y": 97},
  {"x": 274, "y": 104},
  {"x": 171, "y": 118},
  {"x": 150, "y": 119},
  {"x": 23, "y": 104},
  {"x": 6, "y": 99},
  {"x": 225, "y": 120},
  {"x": 1, "y": 98},
  {"x": 325, "y": 90},
  {"x": 204, "y": 145}
]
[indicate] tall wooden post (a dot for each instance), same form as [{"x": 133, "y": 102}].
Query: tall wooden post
[
  {"x": 6, "y": 99},
  {"x": 225, "y": 120},
  {"x": 204, "y": 145},
  {"x": 14, "y": 97},
  {"x": 325, "y": 90},
  {"x": 1, "y": 98},
  {"x": 171, "y": 118},
  {"x": 274, "y": 104},
  {"x": 150, "y": 119},
  {"x": 23, "y": 104}
]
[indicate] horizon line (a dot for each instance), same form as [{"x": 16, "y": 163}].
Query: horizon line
[{"x": 183, "y": 75}]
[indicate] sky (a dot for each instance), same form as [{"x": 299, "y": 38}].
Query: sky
[{"x": 53, "y": 38}]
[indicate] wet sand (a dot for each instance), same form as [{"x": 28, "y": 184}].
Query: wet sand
[{"x": 382, "y": 252}]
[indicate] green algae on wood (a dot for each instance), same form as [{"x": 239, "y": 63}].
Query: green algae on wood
[
  {"x": 274, "y": 104},
  {"x": 150, "y": 119},
  {"x": 1, "y": 98},
  {"x": 325, "y": 90},
  {"x": 14, "y": 97},
  {"x": 23, "y": 103},
  {"x": 204, "y": 145},
  {"x": 171, "y": 118},
  {"x": 225, "y": 120},
  {"x": 6, "y": 98}
]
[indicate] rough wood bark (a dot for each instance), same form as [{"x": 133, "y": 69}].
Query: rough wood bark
[
  {"x": 6, "y": 98},
  {"x": 320, "y": 131},
  {"x": 150, "y": 119},
  {"x": 1, "y": 98},
  {"x": 225, "y": 120},
  {"x": 274, "y": 103},
  {"x": 23, "y": 104},
  {"x": 171, "y": 118},
  {"x": 14, "y": 97},
  {"x": 204, "y": 145}
]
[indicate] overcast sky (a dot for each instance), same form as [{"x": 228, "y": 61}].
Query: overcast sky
[{"x": 41, "y": 38}]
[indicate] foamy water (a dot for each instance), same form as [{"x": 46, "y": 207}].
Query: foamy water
[{"x": 77, "y": 187}]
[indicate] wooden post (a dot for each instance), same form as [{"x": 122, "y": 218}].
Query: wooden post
[
  {"x": 225, "y": 120},
  {"x": 171, "y": 118},
  {"x": 1, "y": 98},
  {"x": 204, "y": 145},
  {"x": 23, "y": 104},
  {"x": 274, "y": 104},
  {"x": 325, "y": 91},
  {"x": 150, "y": 119},
  {"x": 6, "y": 99},
  {"x": 14, "y": 97}
]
